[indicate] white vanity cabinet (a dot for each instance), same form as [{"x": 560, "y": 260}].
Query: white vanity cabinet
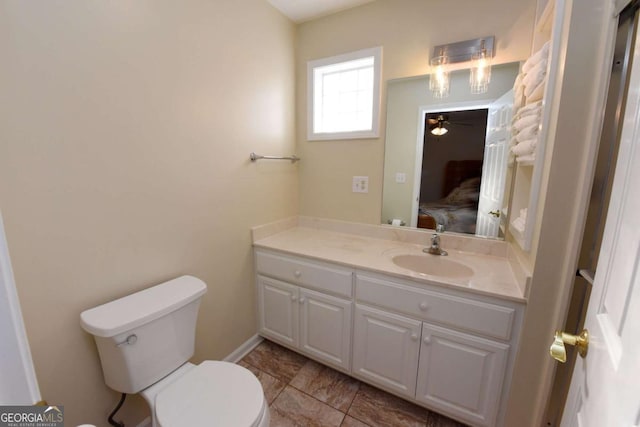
[
  {"x": 386, "y": 349},
  {"x": 314, "y": 322},
  {"x": 444, "y": 348},
  {"x": 461, "y": 374},
  {"x": 278, "y": 310}
]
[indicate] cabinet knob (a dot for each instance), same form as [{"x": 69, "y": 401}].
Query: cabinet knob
[
  {"x": 297, "y": 273},
  {"x": 302, "y": 300},
  {"x": 423, "y": 306},
  {"x": 414, "y": 337},
  {"x": 426, "y": 340},
  {"x": 293, "y": 297}
]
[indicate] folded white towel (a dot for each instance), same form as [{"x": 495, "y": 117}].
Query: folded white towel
[
  {"x": 535, "y": 112},
  {"x": 518, "y": 83},
  {"x": 536, "y": 74},
  {"x": 530, "y": 108},
  {"x": 528, "y": 133},
  {"x": 537, "y": 57},
  {"x": 518, "y": 92},
  {"x": 519, "y": 224},
  {"x": 537, "y": 94},
  {"x": 525, "y": 147},
  {"x": 529, "y": 158},
  {"x": 526, "y": 121}
]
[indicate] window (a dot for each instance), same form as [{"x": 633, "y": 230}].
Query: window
[{"x": 344, "y": 96}]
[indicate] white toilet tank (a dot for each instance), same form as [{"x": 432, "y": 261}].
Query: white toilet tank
[{"x": 144, "y": 336}]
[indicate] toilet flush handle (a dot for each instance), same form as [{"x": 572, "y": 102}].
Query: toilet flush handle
[{"x": 130, "y": 340}]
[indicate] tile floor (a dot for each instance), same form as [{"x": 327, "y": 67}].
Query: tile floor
[{"x": 304, "y": 393}]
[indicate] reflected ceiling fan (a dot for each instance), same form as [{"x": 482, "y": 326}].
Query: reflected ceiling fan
[{"x": 438, "y": 123}]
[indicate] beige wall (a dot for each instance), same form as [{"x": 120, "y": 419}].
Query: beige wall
[
  {"x": 125, "y": 131},
  {"x": 407, "y": 30}
]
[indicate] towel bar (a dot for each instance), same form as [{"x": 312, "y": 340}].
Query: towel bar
[{"x": 254, "y": 157}]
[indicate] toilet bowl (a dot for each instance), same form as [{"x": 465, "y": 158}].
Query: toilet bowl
[
  {"x": 145, "y": 340},
  {"x": 209, "y": 394}
]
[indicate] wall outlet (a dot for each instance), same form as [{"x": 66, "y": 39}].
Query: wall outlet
[
  {"x": 360, "y": 184},
  {"x": 401, "y": 177}
]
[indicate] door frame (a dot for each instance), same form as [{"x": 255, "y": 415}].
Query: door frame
[
  {"x": 423, "y": 110},
  {"x": 581, "y": 290},
  {"x": 16, "y": 356},
  {"x": 585, "y": 40},
  {"x": 609, "y": 341}
]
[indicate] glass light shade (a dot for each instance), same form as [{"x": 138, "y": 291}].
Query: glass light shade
[
  {"x": 439, "y": 78},
  {"x": 480, "y": 75},
  {"x": 439, "y": 131}
]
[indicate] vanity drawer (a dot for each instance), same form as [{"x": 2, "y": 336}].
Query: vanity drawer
[
  {"x": 329, "y": 278},
  {"x": 475, "y": 316}
]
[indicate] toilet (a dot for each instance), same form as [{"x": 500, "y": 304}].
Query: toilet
[{"x": 145, "y": 341}]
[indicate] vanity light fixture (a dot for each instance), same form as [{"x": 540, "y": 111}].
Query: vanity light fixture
[
  {"x": 480, "y": 75},
  {"x": 439, "y": 78},
  {"x": 477, "y": 51}
]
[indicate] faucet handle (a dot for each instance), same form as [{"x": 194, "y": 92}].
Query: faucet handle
[{"x": 440, "y": 228}]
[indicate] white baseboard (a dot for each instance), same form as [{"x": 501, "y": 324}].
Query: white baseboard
[
  {"x": 244, "y": 349},
  {"x": 145, "y": 423}
]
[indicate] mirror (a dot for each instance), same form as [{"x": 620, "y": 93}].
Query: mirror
[{"x": 459, "y": 179}]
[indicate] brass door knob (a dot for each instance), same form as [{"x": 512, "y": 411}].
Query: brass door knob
[
  {"x": 558, "y": 350},
  {"x": 495, "y": 213}
]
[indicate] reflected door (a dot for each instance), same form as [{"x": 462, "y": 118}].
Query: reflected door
[{"x": 494, "y": 166}]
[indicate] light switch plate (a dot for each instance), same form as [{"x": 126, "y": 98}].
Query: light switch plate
[{"x": 360, "y": 184}]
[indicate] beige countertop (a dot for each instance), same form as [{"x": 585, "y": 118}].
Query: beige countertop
[{"x": 493, "y": 275}]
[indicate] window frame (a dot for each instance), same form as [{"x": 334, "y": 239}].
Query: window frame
[{"x": 374, "y": 131}]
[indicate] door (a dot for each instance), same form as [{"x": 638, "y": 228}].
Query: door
[
  {"x": 605, "y": 387},
  {"x": 19, "y": 385},
  {"x": 494, "y": 166},
  {"x": 385, "y": 349},
  {"x": 278, "y": 310},
  {"x": 461, "y": 374},
  {"x": 325, "y": 327}
]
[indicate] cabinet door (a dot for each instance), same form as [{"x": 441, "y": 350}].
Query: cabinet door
[
  {"x": 325, "y": 327},
  {"x": 385, "y": 349},
  {"x": 278, "y": 310},
  {"x": 461, "y": 374}
]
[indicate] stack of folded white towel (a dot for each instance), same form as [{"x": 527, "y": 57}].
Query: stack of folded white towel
[
  {"x": 520, "y": 223},
  {"x": 528, "y": 91},
  {"x": 535, "y": 74},
  {"x": 524, "y": 132}
]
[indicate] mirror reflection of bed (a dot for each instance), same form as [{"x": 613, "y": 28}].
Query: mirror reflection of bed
[
  {"x": 458, "y": 210},
  {"x": 452, "y": 170}
]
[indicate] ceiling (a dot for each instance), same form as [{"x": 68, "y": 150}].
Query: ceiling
[{"x": 305, "y": 10}]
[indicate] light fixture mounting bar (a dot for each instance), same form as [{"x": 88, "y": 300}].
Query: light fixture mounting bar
[{"x": 462, "y": 51}]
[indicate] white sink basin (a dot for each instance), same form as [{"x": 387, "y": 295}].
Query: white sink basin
[{"x": 433, "y": 265}]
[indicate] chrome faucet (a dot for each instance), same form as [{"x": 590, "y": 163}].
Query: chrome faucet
[{"x": 435, "y": 248}]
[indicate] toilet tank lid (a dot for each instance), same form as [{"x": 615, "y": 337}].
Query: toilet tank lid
[{"x": 131, "y": 311}]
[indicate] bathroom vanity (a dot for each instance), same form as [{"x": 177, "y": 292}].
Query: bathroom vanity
[{"x": 369, "y": 307}]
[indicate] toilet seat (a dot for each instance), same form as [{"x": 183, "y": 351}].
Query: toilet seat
[{"x": 212, "y": 394}]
